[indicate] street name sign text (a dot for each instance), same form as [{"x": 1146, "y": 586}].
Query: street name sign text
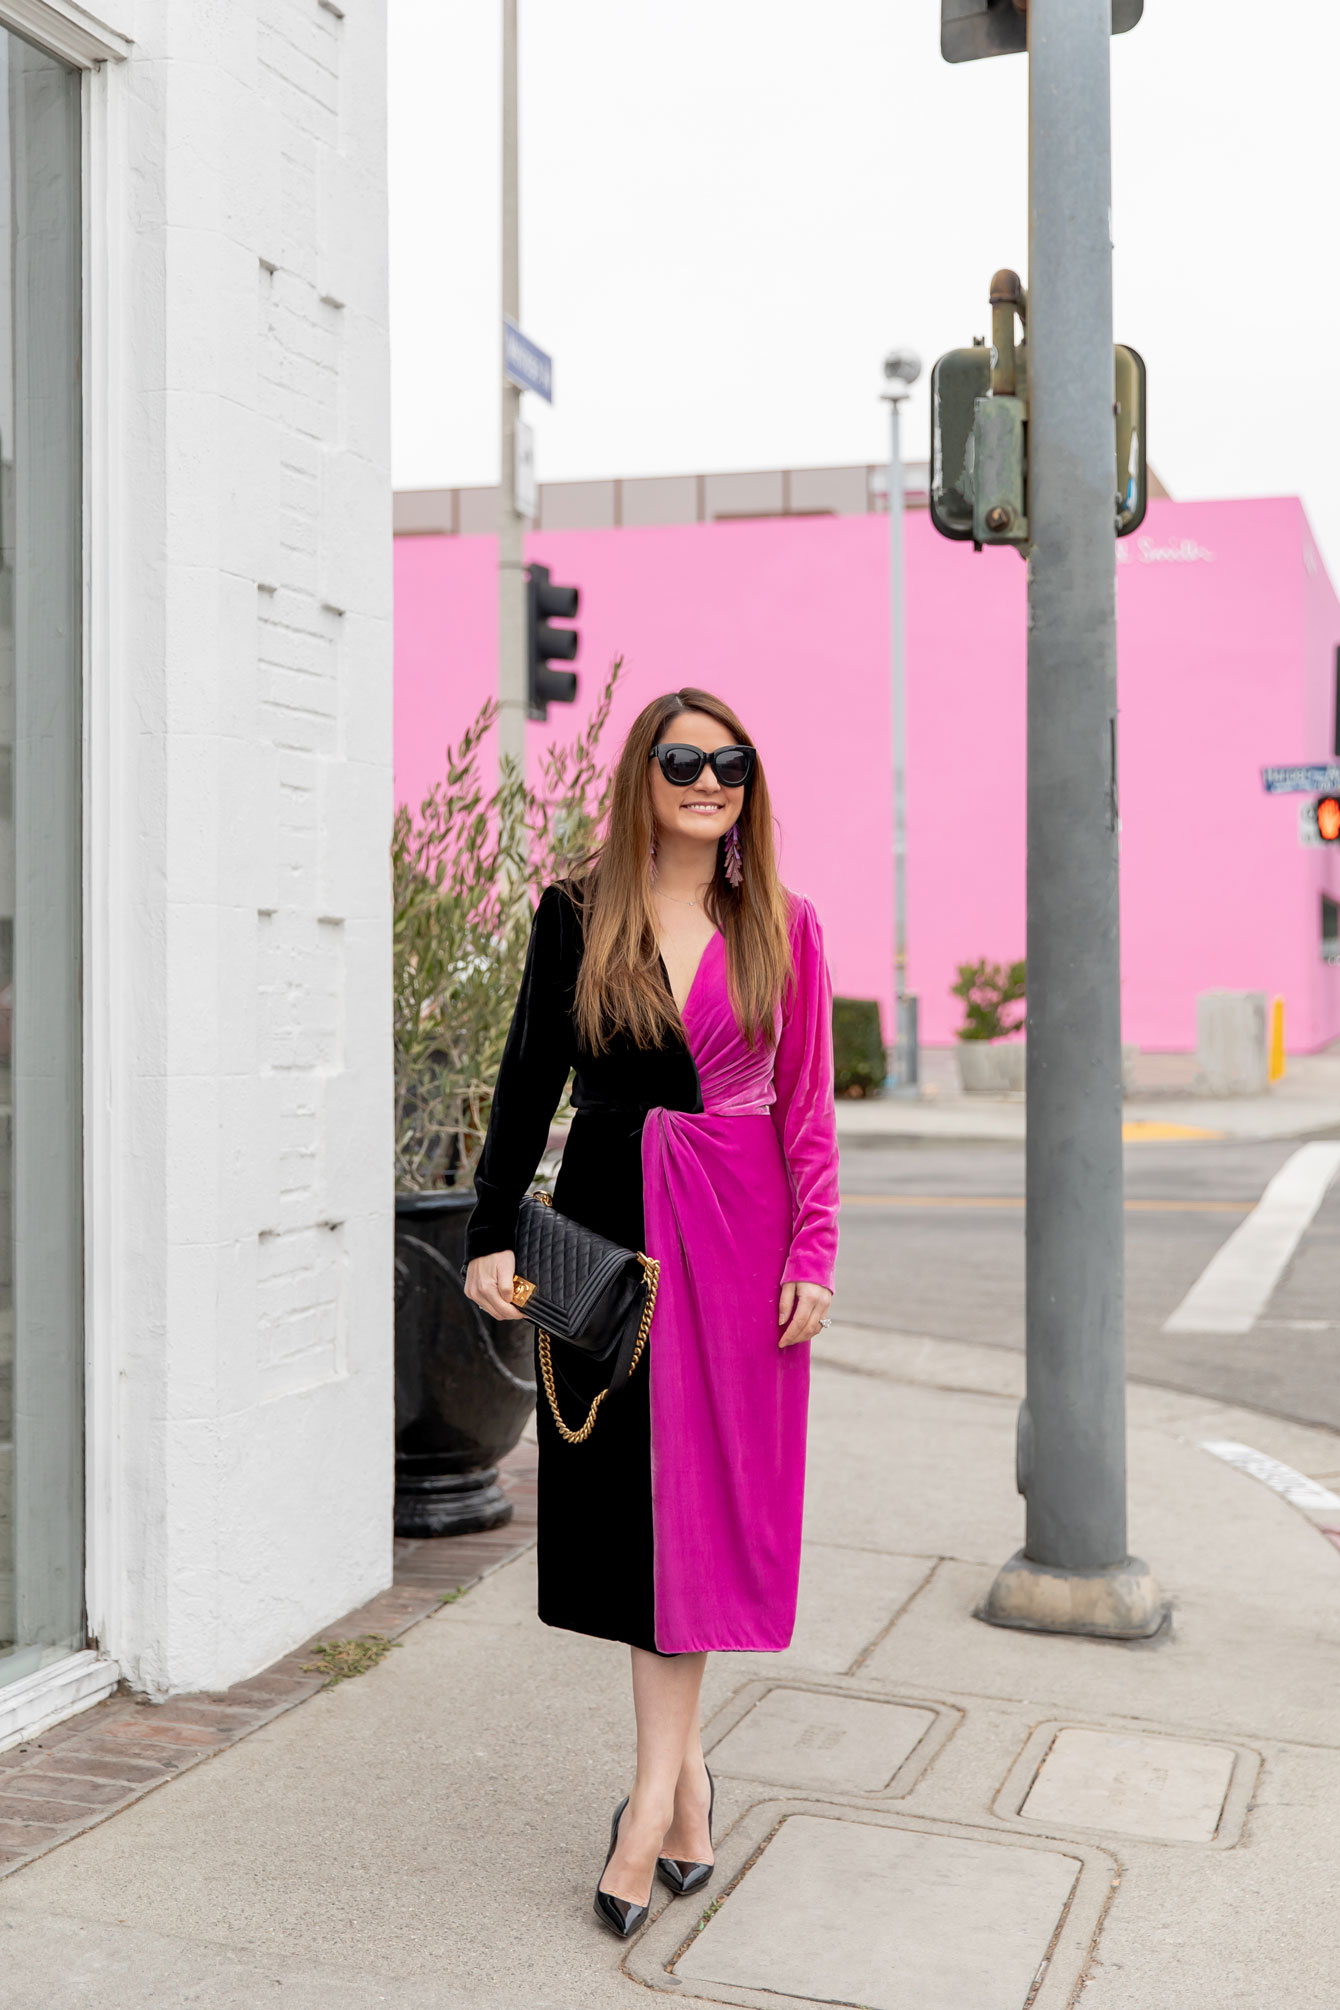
[
  {"x": 525, "y": 363},
  {"x": 1320, "y": 779}
]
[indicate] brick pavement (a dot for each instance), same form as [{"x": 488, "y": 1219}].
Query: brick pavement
[{"x": 81, "y": 1771}]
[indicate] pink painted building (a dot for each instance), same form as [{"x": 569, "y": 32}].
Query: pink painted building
[{"x": 1228, "y": 637}]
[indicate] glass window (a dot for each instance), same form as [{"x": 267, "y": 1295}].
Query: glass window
[
  {"x": 1330, "y": 930},
  {"x": 41, "y": 1263}
]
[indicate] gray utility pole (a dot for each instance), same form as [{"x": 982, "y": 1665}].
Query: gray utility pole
[
  {"x": 1073, "y": 1574},
  {"x": 512, "y": 695},
  {"x": 901, "y": 370}
]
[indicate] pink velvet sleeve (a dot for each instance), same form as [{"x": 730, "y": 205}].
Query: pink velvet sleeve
[{"x": 803, "y": 1111}]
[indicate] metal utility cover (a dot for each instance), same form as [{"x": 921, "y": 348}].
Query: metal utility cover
[
  {"x": 847, "y": 1912},
  {"x": 970, "y": 29},
  {"x": 814, "y": 1738},
  {"x": 817, "y": 1899},
  {"x": 1130, "y": 1781},
  {"x": 1171, "y": 1788}
]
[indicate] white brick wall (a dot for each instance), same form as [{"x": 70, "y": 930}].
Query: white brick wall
[{"x": 240, "y": 1336}]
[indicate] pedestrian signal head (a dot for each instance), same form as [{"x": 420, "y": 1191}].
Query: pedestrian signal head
[
  {"x": 957, "y": 382},
  {"x": 1128, "y": 405},
  {"x": 1328, "y": 819}
]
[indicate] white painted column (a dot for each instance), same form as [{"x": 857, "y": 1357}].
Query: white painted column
[{"x": 241, "y": 1325}]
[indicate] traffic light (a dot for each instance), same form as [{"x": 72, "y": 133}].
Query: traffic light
[
  {"x": 1327, "y": 812},
  {"x": 545, "y": 644}
]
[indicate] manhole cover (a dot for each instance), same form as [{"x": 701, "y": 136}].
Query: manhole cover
[
  {"x": 887, "y": 1917},
  {"x": 811, "y": 1738},
  {"x": 1172, "y": 1789}
]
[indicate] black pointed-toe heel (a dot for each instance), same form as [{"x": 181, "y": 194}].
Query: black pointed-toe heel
[
  {"x": 621, "y": 1915},
  {"x": 686, "y": 1878}
]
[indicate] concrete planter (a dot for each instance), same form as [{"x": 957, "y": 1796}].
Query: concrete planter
[
  {"x": 1232, "y": 1043},
  {"x": 991, "y": 1067},
  {"x": 463, "y": 1386}
]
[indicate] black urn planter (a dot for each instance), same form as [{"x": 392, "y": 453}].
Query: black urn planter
[{"x": 463, "y": 1381}]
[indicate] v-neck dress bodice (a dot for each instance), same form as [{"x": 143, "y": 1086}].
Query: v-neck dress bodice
[{"x": 677, "y": 1524}]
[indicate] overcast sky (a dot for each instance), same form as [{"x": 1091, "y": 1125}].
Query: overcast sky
[{"x": 731, "y": 209}]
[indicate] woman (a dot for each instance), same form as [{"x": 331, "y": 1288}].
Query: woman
[{"x": 688, "y": 990}]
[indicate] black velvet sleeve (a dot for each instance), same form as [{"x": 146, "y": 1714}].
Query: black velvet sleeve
[{"x": 535, "y": 1064}]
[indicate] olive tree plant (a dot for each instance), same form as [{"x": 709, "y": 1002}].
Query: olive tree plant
[{"x": 467, "y": 867}]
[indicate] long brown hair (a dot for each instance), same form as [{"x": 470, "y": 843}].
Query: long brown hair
[{"x": 620, "y": 987}]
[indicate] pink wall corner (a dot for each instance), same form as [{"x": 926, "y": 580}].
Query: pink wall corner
[{"x": 1225, "y": 649}]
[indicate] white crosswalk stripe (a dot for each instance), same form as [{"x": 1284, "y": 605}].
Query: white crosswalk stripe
[{"x": 1236, "y": 1284}]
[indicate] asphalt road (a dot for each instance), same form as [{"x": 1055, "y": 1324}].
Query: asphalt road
[{"x": 933, "y": 1242}]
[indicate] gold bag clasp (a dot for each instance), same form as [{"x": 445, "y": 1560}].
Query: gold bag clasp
[{"x": 522, "y": 1291}]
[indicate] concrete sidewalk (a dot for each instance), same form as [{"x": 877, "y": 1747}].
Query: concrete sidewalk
[
  {"x": 914, "y": 1811},
  {"x": 1161, "y": 1109}
]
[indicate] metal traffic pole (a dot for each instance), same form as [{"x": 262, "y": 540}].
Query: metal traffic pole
[
  {"x": 512, "y": 695},
  {"x": 902, "y": 367},
  {"x": 1073, "y": 1574}
]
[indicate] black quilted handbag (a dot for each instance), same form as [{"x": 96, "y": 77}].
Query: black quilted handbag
[{"x": 584, "y": 1293}]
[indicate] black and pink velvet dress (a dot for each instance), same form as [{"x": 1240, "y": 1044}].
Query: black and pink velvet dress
[{"x": 676, "y": 1525}]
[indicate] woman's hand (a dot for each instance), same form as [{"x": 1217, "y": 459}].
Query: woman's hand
[
  {"x": 488, "y": 1281},
  {"x": 804, "y": 1306}
]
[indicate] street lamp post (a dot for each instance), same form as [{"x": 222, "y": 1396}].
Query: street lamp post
[{"x": 902, "y": 367}]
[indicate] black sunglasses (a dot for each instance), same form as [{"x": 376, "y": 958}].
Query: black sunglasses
[{"x": 681, "y": 765}]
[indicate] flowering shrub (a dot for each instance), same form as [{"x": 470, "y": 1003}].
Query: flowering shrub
[
  {"x": 467, "y": 868},
  {"x": 987, "y": 990}
]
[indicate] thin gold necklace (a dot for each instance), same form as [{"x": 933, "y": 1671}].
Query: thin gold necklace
[{"x": 692, "y": 900}]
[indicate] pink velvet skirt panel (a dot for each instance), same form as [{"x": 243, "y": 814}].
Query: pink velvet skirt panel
[{"x": 728, "y": 1405}]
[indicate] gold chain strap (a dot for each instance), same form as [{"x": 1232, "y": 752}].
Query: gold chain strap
[{"x": 652, "y": 1272}]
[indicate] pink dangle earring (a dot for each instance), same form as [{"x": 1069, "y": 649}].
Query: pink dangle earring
[{"x": 734, "y": 862}]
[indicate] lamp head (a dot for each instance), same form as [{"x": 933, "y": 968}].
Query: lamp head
[{"x": 902, "y": 366}]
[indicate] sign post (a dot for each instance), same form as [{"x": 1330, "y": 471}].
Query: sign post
[
  {"x": 512, "y": 697},
  {"x": 525, "y": 367},
  {"x": 527, "y": 490}
]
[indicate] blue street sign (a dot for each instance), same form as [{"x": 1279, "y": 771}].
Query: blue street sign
[
  {"x": 525, "y": 363},
  {"x": 1318, "y": 780}
]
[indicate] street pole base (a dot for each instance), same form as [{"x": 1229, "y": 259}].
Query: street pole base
[{"x": 1120, "y": 1603}]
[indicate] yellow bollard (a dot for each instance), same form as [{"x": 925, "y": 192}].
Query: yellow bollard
[{"x": 1275, "y": 1070}]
